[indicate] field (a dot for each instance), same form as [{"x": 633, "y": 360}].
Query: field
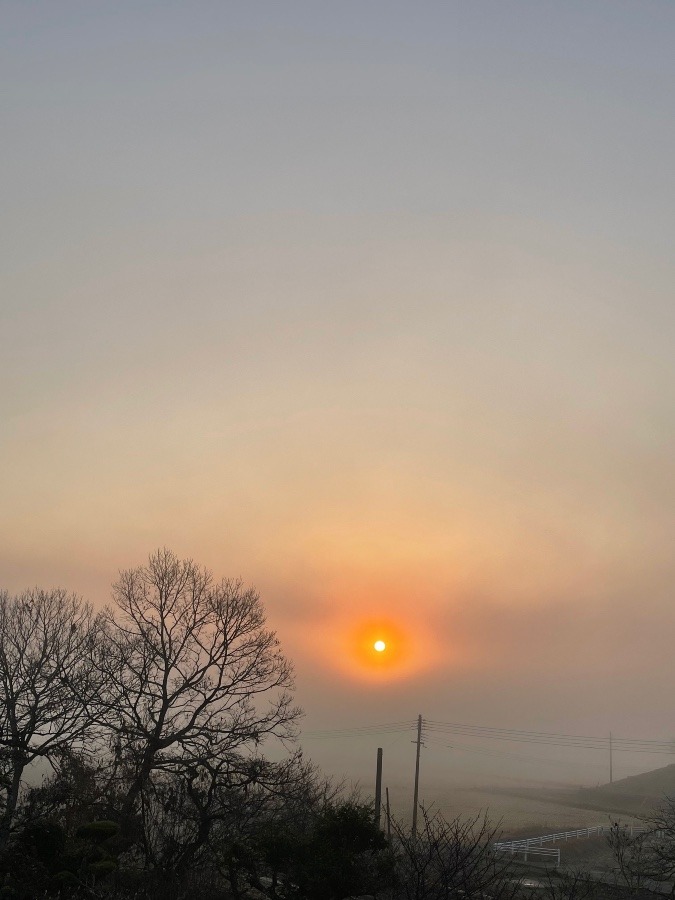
[
  {"x": 530, "y": 811},
  {"x": 525, "y": 813}
]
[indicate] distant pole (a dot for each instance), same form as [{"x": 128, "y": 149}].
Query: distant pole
[
  {"x": 611, "y": 773},
  {"x": 378, "y": 787},
  {"x": 417, "y": 776},
  {"x": 388, "y": 817}
]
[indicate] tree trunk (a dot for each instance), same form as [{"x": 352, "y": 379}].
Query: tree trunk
[
  {"x": 129, "y": 827},
  {"x": 18, "y": 765}
]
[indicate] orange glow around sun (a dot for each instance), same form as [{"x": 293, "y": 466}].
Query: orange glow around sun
[
  {"x": 371, "y": 634},
  {"x": 384, "y": 649},
  {"x": 378, "y": 649}
]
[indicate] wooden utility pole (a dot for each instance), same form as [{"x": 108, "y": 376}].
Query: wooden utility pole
[
  {"x": 378, "y": 787},
  {"x": 417, "y": 776},
  {"x": 611, "y": 773}
]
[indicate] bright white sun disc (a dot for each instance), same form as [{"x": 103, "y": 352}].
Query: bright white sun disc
[{"x": 379, "y": 646}]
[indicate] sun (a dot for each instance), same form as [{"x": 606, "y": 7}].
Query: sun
[{"x": 377, "y": 649}]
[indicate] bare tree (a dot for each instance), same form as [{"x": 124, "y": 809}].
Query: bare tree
[
  {"x": 201, "y": 814},
  {"x": 193, "y": 674},
  {"x": 48, "y": 683},
  {"x": 449, "y": 858},
  {"x": 633, "y": 855},
  {"x": 659, "y": 843}
]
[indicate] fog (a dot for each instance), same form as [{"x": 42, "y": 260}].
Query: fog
[{"x": 371, "y": 308}]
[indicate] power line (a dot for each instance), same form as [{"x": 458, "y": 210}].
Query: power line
[
  {"x": 501, "y": 754},
  {"x": 458, "y": 729},
  {"x": 587, "y": 742},
  {"x": 432, "y": 723}
]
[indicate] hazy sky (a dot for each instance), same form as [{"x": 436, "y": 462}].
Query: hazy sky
[{"x": 371, "y": 304}]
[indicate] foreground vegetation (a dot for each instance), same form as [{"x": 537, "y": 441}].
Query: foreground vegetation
[
  {"x": 131, "y": 765},
  {"x": 147, "y": 722}
]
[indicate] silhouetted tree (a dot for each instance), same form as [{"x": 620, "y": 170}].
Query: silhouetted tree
[
  {"x": 334, "y": 850},
  {"x": 217, "y": 814},
  {"x": 74, "y": 793},
  {"x": 632, "y": 854},
  {"x": 451, "y": 858},
  {"x": 49, "y": 683},
  {"x": 661, "y": 841},
  {"x": 193, "y": 675},
  {"x": 647, "y": 853}
]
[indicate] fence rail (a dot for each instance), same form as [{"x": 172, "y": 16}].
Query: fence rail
[{"x": 558, "y": 837}]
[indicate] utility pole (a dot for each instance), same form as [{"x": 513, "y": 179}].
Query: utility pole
[
  {"x": 611, "y": 774},
  {"x": 378, "y": 787},
  {"x": 417, "y": 776}
]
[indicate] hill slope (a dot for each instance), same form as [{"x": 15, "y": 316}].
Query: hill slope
[{"x": 636, "y": 794}]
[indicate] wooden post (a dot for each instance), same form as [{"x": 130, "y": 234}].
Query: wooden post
[
  {"x": 388, "y": 817},
  {"x": 417, "y": 776},
  {"x": 611, "y": 772},
  {"x": 378, "y": 787}
]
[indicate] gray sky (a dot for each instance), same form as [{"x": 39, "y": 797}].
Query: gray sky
[{"x": 371, "y": 305}]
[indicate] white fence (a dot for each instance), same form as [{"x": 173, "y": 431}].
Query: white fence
[
  {"x": 533, "y": 846},
  {"x": 526, "y": 843}
]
